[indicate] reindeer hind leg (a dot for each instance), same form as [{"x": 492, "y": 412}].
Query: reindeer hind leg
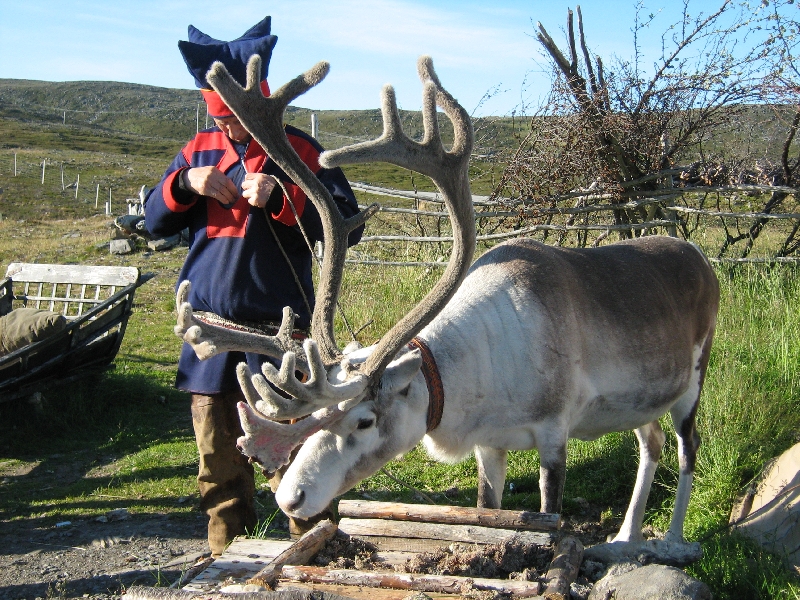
[
  {"x": 683, "y": 417},
  {"x": 651, "y": 441},
  {"x": 683, "y": 414}
]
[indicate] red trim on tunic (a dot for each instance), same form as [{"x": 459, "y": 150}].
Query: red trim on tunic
[
  {"x": 227, "y": 222},
  {"x": 169, "y": 200},
  {"x": 286, "y": 215}
]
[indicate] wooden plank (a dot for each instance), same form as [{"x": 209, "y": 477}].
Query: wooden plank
[
  {"x": 355, "y": 592},
  {"x": 79, "y": 274},
  {"x": 453, "y": 515},
  {"x": 473, "y": 534},
  {"x": 240, "y": 561},
  {"x": 407, "y": 581}
]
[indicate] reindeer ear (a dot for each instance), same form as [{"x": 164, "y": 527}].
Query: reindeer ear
[{"x": 401, "y": 371}]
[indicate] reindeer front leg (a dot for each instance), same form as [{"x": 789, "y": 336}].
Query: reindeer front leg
[
  {"x": 492, "y": 465},
  {"x": 552, "y": 470}
]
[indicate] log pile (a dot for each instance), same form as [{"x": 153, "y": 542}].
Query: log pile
[{"x": 395, "y": 542}]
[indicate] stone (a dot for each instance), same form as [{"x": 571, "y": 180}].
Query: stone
[
  {"x": 771, "y": 515},
  {"x": 677, "y": 554},
  {"x": 651, "y": 582},
  {"x": 123, "y": 246},
  {"x": 164, "y": 243}
]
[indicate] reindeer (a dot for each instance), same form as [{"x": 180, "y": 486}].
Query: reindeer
[{"x": 526, "y": 348}]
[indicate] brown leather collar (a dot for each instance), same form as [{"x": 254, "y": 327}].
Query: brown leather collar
[{"x": 434, "y": 382}]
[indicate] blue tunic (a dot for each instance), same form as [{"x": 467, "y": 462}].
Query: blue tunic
[{"x": 234, "y": 264}]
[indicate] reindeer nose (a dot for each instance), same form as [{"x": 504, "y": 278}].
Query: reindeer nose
[{"x": 296, "y": 502}]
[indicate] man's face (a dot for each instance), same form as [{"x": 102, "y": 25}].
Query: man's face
[{"x": 231, "y": 127}]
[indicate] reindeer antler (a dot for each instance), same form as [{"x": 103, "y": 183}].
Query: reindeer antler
[
  {"x": 263, "y": 118},
  {"x": 208, "y": 339},
  {"x": 449, "y": 171}
]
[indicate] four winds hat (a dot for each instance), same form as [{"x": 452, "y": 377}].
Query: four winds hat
[{"x": 201, "y": 51}]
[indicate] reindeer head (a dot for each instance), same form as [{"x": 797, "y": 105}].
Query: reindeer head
[{"x": 359, "y": 407}]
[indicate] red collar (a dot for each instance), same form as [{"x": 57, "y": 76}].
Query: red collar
[{"x": 434, "y": 382}]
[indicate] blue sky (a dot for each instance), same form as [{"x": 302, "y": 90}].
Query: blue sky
[{"x": 476, "y": 46}]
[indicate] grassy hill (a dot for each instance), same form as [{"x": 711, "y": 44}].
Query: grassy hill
[{"x": 120, "y": 136}]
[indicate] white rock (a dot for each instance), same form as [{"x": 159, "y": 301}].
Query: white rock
[{"x": 773, "y": 520}]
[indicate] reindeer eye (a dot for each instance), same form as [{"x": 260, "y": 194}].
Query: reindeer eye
[{"x": 365, "y": 423}]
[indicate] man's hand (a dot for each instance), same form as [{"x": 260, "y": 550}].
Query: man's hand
[
  {"x": 211, "y": 182},
  {"x": 257, "y": 188}
]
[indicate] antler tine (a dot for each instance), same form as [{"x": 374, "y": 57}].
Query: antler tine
[
  {"x": 317, "y": 391},
  {"x": 263, "y": 118},
  {"x": 449, "y": 171},
  {"x": 208, "y": 339}
]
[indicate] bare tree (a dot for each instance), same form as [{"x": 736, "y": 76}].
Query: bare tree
[{"x": 615, "y": 130}]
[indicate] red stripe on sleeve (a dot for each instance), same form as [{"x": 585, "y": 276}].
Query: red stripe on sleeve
[
  {"x": 169, "y": 200},
  {"x": 286, "y": 215}
]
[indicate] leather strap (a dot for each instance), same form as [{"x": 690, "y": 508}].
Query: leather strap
[{"x": 434, "y": 382}]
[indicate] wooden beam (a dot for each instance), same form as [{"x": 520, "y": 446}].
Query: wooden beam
[
  {"x": 470, "y": 534},
  {"x": 453, "y": 515},
  {"x": 446, "y": 584}
]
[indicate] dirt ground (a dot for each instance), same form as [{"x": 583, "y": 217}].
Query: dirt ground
[{"x": 91, "y": 559}]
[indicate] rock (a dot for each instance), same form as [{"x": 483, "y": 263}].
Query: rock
[
  {"x": 652, "y": 582},
  {"x": 164, "y": 243},
  {"x": 771, "y": 515},
  {"x": 650, "y": 551},
  {"x": 128, "y": 223},
  {"x": 123, "y": 246}
]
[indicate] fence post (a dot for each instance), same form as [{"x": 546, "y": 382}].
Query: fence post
[
  {"x": 62, "y": 176},
  {"x": 44, "y": 162},
  {"x": 108, "y": 206},
  {"x": 77, "y": 184},
  {"x": 314, "y": 125},
  {"x": 97, "y": 197},
  {"x": 15, "y": 164}
]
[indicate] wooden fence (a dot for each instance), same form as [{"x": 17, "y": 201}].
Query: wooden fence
[{"x": 709, "y": 216}]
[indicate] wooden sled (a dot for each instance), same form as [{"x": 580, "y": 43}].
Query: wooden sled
[{"x": 96, "y": 301}]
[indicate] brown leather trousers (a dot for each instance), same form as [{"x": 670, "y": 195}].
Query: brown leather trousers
[{"x": 225, "y": 478}]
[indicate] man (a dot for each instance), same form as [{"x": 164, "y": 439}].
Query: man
[{"x": 247, "y": 259}]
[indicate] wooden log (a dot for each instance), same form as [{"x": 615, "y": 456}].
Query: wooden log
[
  {"x": 471, "y": 534},
  {"x": 563, "y": 568},
  {"x": 444, "y": 584},
  {"x": 150, "y": 593},
  {"x": 298, "y": 553},
  {"x": 452, "y": 515}
]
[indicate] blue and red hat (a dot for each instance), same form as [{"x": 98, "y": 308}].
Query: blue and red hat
[{"x": 201, "y": 51}]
